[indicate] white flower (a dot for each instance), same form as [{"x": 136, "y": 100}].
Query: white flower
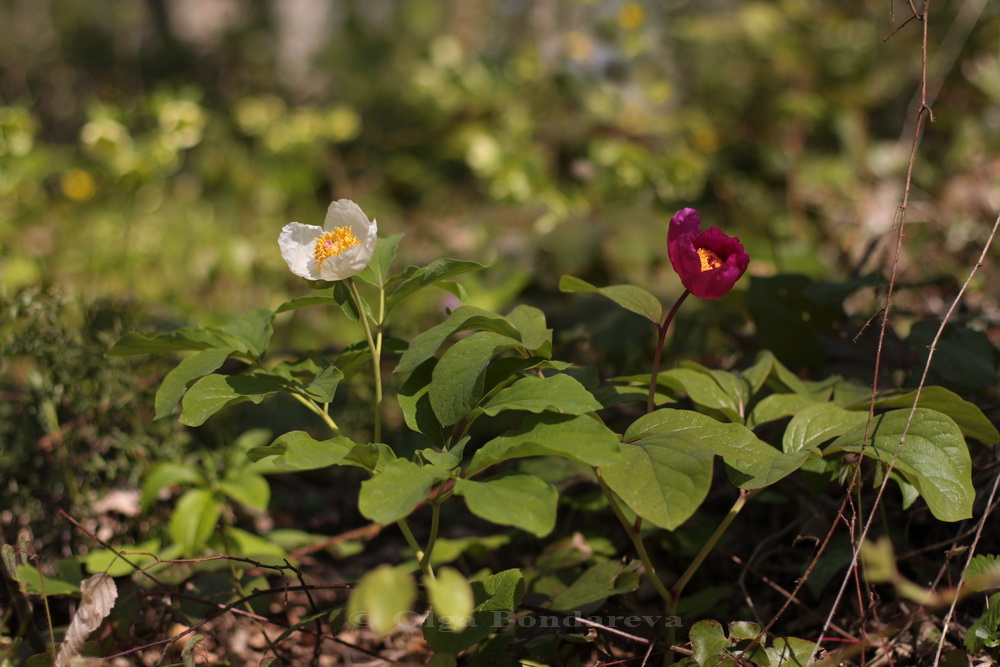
[{"x": 339, "y": 249}]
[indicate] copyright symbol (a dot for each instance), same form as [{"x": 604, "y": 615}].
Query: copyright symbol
[{"x": 361, "y": 618}]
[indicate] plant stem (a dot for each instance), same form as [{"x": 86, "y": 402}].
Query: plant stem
[
  {"x": 376, "y": 351},
  {"x": 425, "y": 561},
  {"x": 709, "y": 545},
  {"x": 635, "y": 535},
  {"x": 425, "y": 567},
  {"x": 662, "y": 337},
  {"x": 315, "y": 408}
]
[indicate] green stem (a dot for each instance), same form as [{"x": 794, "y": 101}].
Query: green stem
[
  {"x": 425, "y": 562},
  {"x": 319, "y": 411},
  {"x": 709, "y": 545},
  {"x": 661, "y": 338},
  {"x": 415, "y": 547},
  {"x": 376, "y": 350},
  {"x": 635, "y": 535}
]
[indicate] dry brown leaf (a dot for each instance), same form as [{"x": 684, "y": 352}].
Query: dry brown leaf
[{"x": 98, "y": 597}]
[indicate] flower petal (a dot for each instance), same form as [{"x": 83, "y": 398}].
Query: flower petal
[
  {"x": 345, "y": 213},
  {"x": 296, "y": 242},
  {"x": 685, "y": 221},
  {"x": 685, "y": 239}
]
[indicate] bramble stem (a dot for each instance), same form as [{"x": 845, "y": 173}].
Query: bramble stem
[
  {"x": 376, "y": 351},
  {"x": 661, "y": 338}
]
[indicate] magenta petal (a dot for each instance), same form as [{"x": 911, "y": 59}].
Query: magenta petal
[
  {"x": 685, "y": 221},
  {"x": 685, "y": 237}
]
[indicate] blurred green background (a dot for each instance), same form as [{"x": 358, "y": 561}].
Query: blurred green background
[
  {"x": 155, "y": 148},
  {"x": 150, "y": 153}
]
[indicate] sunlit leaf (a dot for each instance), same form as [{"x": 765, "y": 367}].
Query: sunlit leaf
[
  {"x": 392, "y": 493},
  {"x": 381, "y": 598},
  {"x": 458, "y": 380},
  {"x": 557, "y": 393},
  {"x": 512, "y": 499},
  {"x": 176, "y": 382},
  {"x": 580, "y": 438},
  {"x": 629, "y": 297},
  {"x": 193, "y": 519},
  {"x": 934, "y": 457}
]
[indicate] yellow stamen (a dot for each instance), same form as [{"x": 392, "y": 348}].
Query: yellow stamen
[
  {"x": 709, "y": 260},
  {"x": 333, "y": 243}
]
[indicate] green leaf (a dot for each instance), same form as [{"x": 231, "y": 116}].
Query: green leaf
[
  {"x": 556, "y": 393},
  {"x": 426, "y": 345},
  {"x": 162, "y": 475},
  {"x": 580, "y": 438},
  {"x": 191, "y": 338},
  {"x": 175, "y": 383},
  {"x": 458, "y": 380},
  {"x": 530, "y": 324},
  {"x": 215, "y": 392},
  {"x": 968, "y": 416},
  {"x": 390, "y": 495},
  {"x": 934, "y": 458},
  {"x": 248, "y": 488},
  {"x": 790, "y": 652},
  {"x": 253, "y": 329},
  {"x": 735, "y": 443},
  {"x": 597, "y": 584},
  {"x": 324, "y": 386},
  {"x": 629, "y": 297},
  {"x": 704, "y": 390},
  {"x": 297, "y": 450},
  {"x": 106, "y": 560},
  {"x": 767, "y": 471},
  {"x": 512, "y": 499},
  {"x": 732, "y": 385},
  {"x": 323, "y": 297},
  {"x": 42, "y": 584},
  {"x": 784, "y": 380},
  {"x": 415, "y": 403},
  {"x": 663, "y": 475},
  {"x": 193, "y": 520},
  {"x": 815, "y": 424},
  {"x": 983, "y": 573},
  {"x": 381, "y": 598},
  {"x": 435, "y": 272},
  {"x": 249, "y": 545},
  {"x": 452, "y": 599},
  {"x": 710, "y": 644},
  {"x": 377, "y": 271},
  {"x": 337, "y": 295},
  {"x": 497, "y": 596},
  {"x": 757, "y": 374},
  {"x": 777, "y": 406},
  {"x": 985, "y": 632}
]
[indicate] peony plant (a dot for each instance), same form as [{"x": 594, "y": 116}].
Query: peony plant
[{"x": 496, "y": 373}]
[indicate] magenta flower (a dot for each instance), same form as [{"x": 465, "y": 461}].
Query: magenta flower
[{"x": 708, "y": 262}]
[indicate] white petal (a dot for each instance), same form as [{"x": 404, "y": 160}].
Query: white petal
[
  {"x": 345, "y": 213},
  {"x": 353, "y": 260},
  {"x": 296, "y": 242}
]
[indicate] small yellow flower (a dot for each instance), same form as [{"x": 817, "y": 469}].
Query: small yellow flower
[{"x": 339, "y": 249}]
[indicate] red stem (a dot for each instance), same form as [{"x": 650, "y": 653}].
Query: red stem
[{"x": 651, "y": 403}]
